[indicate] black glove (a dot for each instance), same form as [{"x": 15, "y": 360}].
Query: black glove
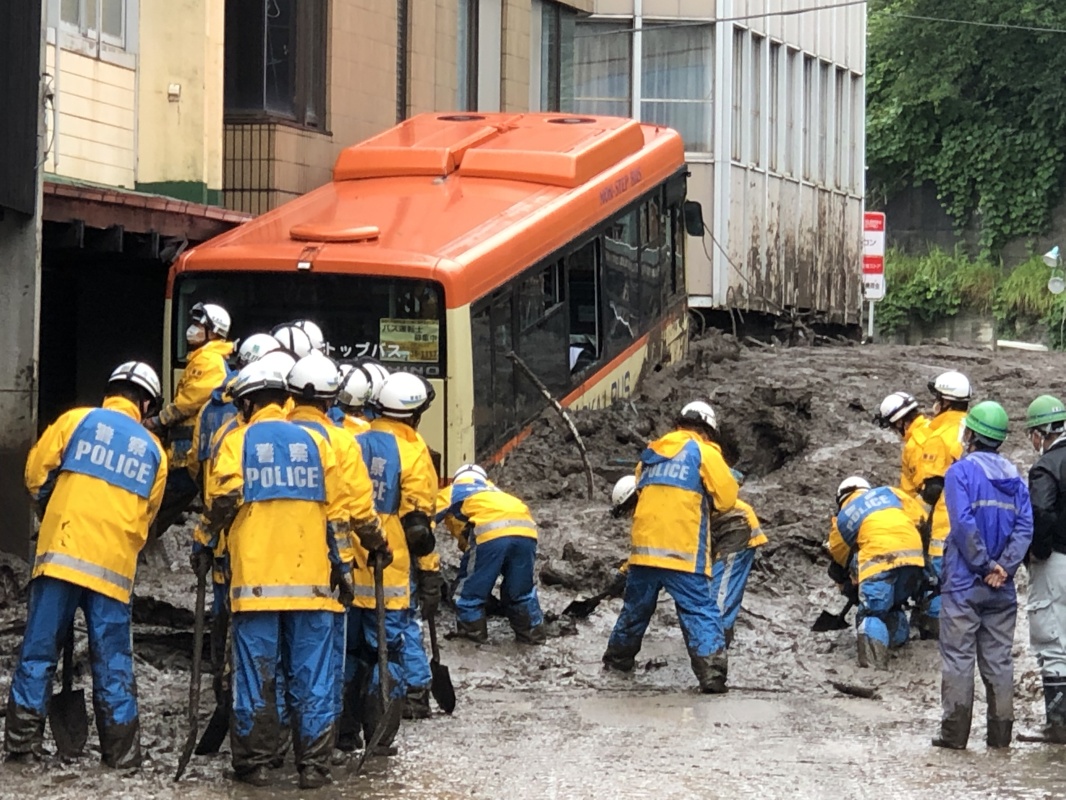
[
  {"x": 617, "y": 586},
  {"x": 201, "y": 562},
  {"x": 430, "y": 587},
  {"x": 340, "y": 580},
  {"x": 372, "y": 538},
  {"x": 417, "y": 532}
]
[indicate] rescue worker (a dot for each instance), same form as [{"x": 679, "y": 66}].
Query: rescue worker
[
  {"x": 501, "y": 540},
  {"x": 682, "y": 479},
  {"x": 941, "y": 447},
  {"x": 1046, "y": 425},
  {"x": 899, "y": 411},
  {"x": 205, "y": 371},
  {"x": 313, "y": 383},
  {"x": 97, "y": 478},
  {"x": 293, "y": 339},
  {"x": 405, "y": 489},
  {"x": 991, "y": 529},
  {"x": 733, "y": 560},
  {"x": 277, "y": 489},
  {"x": 356, "y": 391},
  {"x": 878, "y": 528}
]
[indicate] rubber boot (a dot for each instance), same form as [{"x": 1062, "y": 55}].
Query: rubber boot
[
  {"x": 374, "y": 715},
  {"x": 256, "y": 776},
  {"x": 928, "y": 628},
  {"x": 524, "y": 631},
  {"x": 999, "y": 732},
  {"x": 476, "y": 631},
  {"x": 23, "y": 734},
  {"x": 872, "y": 653},
  {"x": 955, "y": 729},
  {"x": 120, "y": 745},
  {"x": 416, "y": 704},
  {"x": 711, "y": 671},
  {"x": 622, "y": 659},
  {"x": 283, "y": 747}
]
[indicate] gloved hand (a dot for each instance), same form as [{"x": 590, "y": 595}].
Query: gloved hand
[
  {"x": 617, "y": 586},
  {"x": 372, "y": 538},
  {"x": 430, "y": 587},
  {"x": 340, "y": 580},
  {"x": 153, "y": 424},
  {"x": 202, "y": 561}
]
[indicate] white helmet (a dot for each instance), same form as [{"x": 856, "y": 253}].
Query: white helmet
[
  {"x": 314, "y": 333},
  {"x": 895, "y": 407},
  {"x": 214, "y": 318},
  {"x": 355, "y": 388},
  {"x": 293, "y": 339},
  {"x": 345, "y": 371},
  {"x": 139, "y": 374},
  {"x": 378, "y": 375},
  {"x": 952, "y": 385},
  {"x": 853, "y": 484},
  {"x": 255, "y": 347},
  {"x": 470, "y": 471},
  {"x": 403, "y": 395},
  {"x": 314, "y": 376},
  {"x": 698, "y": 411},
  {"x": 624, "y": 488},
  {"x": 269, "y": 372}
]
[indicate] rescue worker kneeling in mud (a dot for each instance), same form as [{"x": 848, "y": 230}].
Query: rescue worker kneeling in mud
[
  {"x": 276, "y": 488},
  {"x": 879, "y": 528},
  {"x": 405, "y": 490},
  {"x": 682, "y": 478},
  {"x": 97, "y": 478},
  {"x": 501, "y": 540},
  {"x": 736, "y": 534}
]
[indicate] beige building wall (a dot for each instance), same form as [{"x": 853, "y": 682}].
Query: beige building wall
[{"x": 94, "y": 132}]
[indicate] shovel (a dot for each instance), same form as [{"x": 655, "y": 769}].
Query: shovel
[
  {"x": 194, "y": 684},
  {"x": 67, "y": 716},
  {"x": 580, "y": 609},
  {"x": 832, "y": 622},
  {"x": 441, "y": 688}
]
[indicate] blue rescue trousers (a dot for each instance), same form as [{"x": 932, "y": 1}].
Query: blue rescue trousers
[
  {"x": 881, "y": 598},
  {"x": 697, "y": 611},
  {"x": 304, "y": 643},
  {"x": 729, "y": 577},
  {"x": 416, "y": 674},
  {"x": 363, "y": 645},
  {"x": 52, "y": 605},
  {"x": 513, "y": 557}
]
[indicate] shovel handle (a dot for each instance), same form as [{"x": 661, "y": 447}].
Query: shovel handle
[
  {"x": 383, "y": 647},
  {"x": 431, "y": 621}
]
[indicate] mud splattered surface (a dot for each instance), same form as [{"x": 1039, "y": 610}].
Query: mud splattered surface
[{"x": 547, "y": 722}]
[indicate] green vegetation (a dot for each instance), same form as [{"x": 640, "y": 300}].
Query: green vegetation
[
  {"x": 979, "y": 111},
  {"x": 939, "y": 284}
]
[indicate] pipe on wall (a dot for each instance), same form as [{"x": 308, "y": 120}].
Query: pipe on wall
[{"x": 403, "y": 26}]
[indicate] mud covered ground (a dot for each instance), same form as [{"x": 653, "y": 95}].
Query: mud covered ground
[{"x": 547, "y": 722}]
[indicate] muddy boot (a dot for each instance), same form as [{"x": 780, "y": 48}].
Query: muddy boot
[
  {"x": 256, "y": 776},
  {"x": 728, "y": 637},
  {"x": 476, "y": 631},
  {"x": 373, "y": 716},
  {"x": 872, "y": 653},
  {"x": 955, "y": 729},
  {"x": 711, "y": 671},
  {"x": 120, "y": 745},
  {"x": 525, "y": 632},
  {"x": 24, "y": 733},
  {"x": 928, "y": 628},
  {"x": 314, "y": 777},
  {"x": 999, "y": 733},
  {"x": 621, "y": 659},
  {"x": 416, "y": 704},
  {"x": 283, "y": 747}
]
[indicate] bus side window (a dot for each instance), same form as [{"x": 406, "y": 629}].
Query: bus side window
[
  {"x": 621, "y": 281},
  {"x": 583, "y": 294},
  {"x": 677, "y": 251}
]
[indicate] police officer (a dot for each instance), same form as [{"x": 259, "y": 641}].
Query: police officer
[
  {"x": 276, "y": 488},
  {"x": 681, "y": 478},
  {"x": 405, "y": 489},
  {"x": 878, "y": 528},
  {"x": 899, "y": 411},
  {"x": 205, "y": 371},
  {"x": 97, "y": 478},
  {"x": 502, "y": 541}
]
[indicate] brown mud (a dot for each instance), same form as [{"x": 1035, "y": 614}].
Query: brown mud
[{"x": 547, "y": 722}]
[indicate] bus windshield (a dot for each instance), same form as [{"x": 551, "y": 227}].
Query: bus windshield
[{"x": 398, "y": 321}]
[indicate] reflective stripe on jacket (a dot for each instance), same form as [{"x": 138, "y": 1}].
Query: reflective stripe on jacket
[
  {"x": 882, "y": 525},
  {"x": 404, "y": 480},
  {"x": 681, "y": 478},
  {"x": 486, "y": 512},
  {"x": 285, "y": 481},
  {"x": 100, "y": 476}
]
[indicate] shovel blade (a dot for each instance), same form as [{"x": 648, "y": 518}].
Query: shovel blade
[
  {"x": 580, "y": 609},
  {"x": 215, "y": 733},
  {"x": 69, "y": 722},
  {"x": 442, "y": 689},
  {"x": 829, "y": 622}
]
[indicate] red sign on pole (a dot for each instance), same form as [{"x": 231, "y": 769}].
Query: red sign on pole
[{"x": 873, "y": 255}]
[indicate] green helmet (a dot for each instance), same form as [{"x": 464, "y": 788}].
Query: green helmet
[
  {"x": 1045, "y": 410},
  {"x": 988, "y": 420}
]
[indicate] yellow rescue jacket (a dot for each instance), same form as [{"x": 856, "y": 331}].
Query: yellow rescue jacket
[
  {"x": 941, "y": 449},
  {"x": 355, "y": 425},
  {"x": 205, "y": 371},
  {"x": 486, "y": 512},
  {"x": 355, "y": 480},
  {"x": 682, "y": 478},
  {"x": 292, "y": 516},
  {"x": 456, "y": 528},
  {"x": 735, "y": 530},
  {"x": 882, "y": 525},
  {"x": 910, "y": 474},
  {"x": 221, "y": 573},
  {"x": 99, "y": 475},
  {"x": 404, "y": 481}
]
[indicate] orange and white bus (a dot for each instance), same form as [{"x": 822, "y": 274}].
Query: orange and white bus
[{"x": 451, "y": 240}]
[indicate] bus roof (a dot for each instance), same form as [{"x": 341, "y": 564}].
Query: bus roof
[{"x": 466, "y": 200}]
